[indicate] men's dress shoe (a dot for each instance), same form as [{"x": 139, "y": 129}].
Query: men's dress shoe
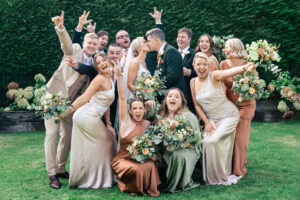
[
  {"x": 63, "y": 175},
  {"x": 54, "y": 182}
]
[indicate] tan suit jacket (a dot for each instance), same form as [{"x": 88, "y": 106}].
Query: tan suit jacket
[
  {"x": 64, "y": 77},
  {"x": 61, "y": 81}
]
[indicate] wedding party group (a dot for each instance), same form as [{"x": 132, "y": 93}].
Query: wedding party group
[{"x": 112, "y": 89}]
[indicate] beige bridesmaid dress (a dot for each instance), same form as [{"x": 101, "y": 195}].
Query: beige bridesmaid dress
[
  {"x": 92, "y": 146},
  {"x": 218, "y": 148}
]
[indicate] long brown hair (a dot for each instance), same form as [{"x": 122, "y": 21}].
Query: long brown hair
[
  {"x": 103, "y": 56},
  {"x": 212, "y": 48},
  {"x": 164, "y": 108}
]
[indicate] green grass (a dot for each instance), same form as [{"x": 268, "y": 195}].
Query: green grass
[{"x": 273, "y": 169}]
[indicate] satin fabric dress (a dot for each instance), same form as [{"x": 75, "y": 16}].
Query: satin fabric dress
[
  {"x": 128, "y": 95},
  {"x": 92, "y": 146},
  {"x": 135, "y": 177},
  {"x": 217, "y": 148},
  {"x": 247, "y": 111},
  {"x": 181, "y": 163}
]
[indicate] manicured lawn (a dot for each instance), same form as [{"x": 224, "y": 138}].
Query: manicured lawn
[{"x": 273, "y": 169}]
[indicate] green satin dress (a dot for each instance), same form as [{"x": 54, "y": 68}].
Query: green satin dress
[{"x": 181, "y": 163}]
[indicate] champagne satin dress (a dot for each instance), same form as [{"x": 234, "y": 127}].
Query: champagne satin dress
[
  {"x": 92, "y": 146},
  {"x": 217, "y": 148}
]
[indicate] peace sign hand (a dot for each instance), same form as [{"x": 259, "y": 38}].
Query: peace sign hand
[
  {"x": 156, "y": 15},
  {"x": 59, "y": 20},
  {"x": 117, "y": 68}
]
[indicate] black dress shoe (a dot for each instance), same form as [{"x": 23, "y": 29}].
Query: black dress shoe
[
  {"x": 54, "y": 182},
  {"x": 63, "y": 175}
]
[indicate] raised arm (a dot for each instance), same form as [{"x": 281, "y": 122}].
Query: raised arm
[
  {"x": 220, "y": 75},
  {"x": 132, "y": 73},
  {"x": 156, "y": 15},
  {"x": 208, "y": 127},
  {"x": 64, "y": 38},
  {"x": 78, "y": 30},
  {"x": 81, "y": 68},
  {"x": 123, "y": 110}
]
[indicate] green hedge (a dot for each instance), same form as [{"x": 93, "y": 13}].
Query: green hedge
[{"x": 29, "y": 44}]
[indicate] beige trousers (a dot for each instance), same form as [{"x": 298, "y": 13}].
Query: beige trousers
[{"x": 57, "y": 154}]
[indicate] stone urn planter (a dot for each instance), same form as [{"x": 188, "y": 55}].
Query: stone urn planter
[
  {"x": 266, "y": 110},
  {"x": 19, "y": 121}
]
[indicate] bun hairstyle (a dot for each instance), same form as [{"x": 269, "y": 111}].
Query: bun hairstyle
[{"x": 137, "y": 42}]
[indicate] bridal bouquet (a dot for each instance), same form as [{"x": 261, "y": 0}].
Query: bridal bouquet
[
  {"x": 262, "y": 54},
  {"x": 249, "y": 86},
  {"x": 175, "y": 134},
  {"x": 142, "y": 148},
  {"x": 51, "y": 105},
  {"x": 147, "y": 87}
]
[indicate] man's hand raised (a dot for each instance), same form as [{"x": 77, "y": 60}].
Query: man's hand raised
[
  {"x": 83, "y": 20},
  {"x": 59, "y": 20},
  {"x": 156, "y": 15}
]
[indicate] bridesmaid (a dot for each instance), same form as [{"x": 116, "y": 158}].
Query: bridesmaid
[
  {"x": 206, "y": 45},
  {"x": 181, "y": 163},
  {"x": 133, "y": 177},
  {"x": 235, "y": 52},
  {"x": 92, "y": 145},
  {"x": 220, "y": 117}
]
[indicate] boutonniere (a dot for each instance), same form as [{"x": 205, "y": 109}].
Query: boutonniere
[
  {"x": 161, "y": 61},
  {"x": 160, "y": 53},
  {"x": 187, "y": 52}
]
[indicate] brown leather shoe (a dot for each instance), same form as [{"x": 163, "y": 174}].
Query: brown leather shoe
[
  {"x": 54, "y": 182},
  {"x": 63, "y": 175}
]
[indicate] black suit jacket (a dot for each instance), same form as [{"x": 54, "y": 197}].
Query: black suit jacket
[{"x": 171, "y": 69}]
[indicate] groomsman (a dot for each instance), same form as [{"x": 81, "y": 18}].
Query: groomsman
[
  {"x": 102, "y": 35},
  {"x": 184, "y": 37},
  {"x": 169, "y": 60},
  {"x": 69, "y": 83}
]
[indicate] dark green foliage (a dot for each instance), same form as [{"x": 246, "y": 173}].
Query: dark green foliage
[{"x": 29, "y": 44}]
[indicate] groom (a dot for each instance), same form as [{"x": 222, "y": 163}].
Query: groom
[{"x": 169, "y": 60}]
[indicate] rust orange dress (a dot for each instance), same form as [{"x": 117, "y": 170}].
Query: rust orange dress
[
  {"x": 247, "y": 111},
  {"x": 134, "y": 177}
]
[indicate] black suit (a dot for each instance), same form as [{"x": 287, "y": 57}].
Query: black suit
[
  {"x": 187, "y": 62},
  {"x": 171, "y": 69}
]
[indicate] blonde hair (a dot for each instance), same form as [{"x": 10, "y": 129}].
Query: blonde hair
[
  {"x": 200, "y": 55},
  {"x": 91, "y": 35},
  {"x": 237, "y": 46},
  {"x": 137, "y": 42}
]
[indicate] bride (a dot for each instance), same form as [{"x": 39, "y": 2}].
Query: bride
[{"x": 135, "y": 64}]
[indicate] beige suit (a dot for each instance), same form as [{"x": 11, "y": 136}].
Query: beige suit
[{"x": 61, "y": 81}]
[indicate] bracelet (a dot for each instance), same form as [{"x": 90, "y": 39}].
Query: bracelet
[{"x": 108, "y": 123}]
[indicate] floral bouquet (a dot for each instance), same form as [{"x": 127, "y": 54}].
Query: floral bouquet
[
  {"x": 51, "y": 105},
  {"x": 220, "y": 44},
  {"x": 249, "y": 86},
  {"x": 142, "y": 148},
  {"x": 147, "y": 87},
  {"x": 262, "y": 54},
  {"x": 175, "y": 134}
]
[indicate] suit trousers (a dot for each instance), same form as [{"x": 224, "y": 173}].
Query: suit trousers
[{"x": 57, "y": 154}]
